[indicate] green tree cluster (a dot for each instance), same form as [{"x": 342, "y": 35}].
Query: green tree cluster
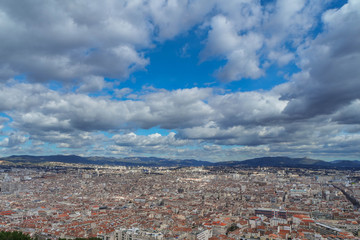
[{"x": 15, "y": 235}]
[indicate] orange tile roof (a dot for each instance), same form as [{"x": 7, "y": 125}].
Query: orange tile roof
[
  {"x": 63, "y": 215},
  {"x": 9, "y": 212},
  {"x": 308, "y": 221}
]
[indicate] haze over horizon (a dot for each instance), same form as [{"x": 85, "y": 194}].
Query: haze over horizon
[{"x": 209, "y": 80}]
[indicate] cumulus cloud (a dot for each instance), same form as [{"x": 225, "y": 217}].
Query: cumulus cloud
[
  {"x": 247, "y": 108},
  {"x": 123, "y": 92},
  {"x": 36, "y": 107},
  {"x": 3, "y": 120},
  {"x": 212, "y": 148},
  {"x": 330, "y": 74},
  {"x": 259, "y": 36},
  {"x": 152, "y": 140},
  {"x": 178, "y": 108},
  {"x": 238, "y": 135},
  {"x": 13, "y": 140},
  {"x": 92, "y": 84},
  {"x": 173, "y": 17},
  {"x": 156, "y": 144},
  {"x": 57, "y": 41},
  {"x": 240, "y": 51},
  {"x": 50, "y": 117},
  {"x": 290, "y": 21}
]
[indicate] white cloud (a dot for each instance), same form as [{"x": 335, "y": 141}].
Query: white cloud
[
  {"x": 174, "y": 17},
  {"x": 13, "y": 140},
  {"x": 152, "y": 140},
  {"x": 57, "y": 41},
  {"x": 212, "y": 148},
  {"x": 247, "y": 108},
  {"x": 259, "y": 36},
  {"x": 281, "y": 57},
  {"x": 178, "y": 108},
  {"x": 240, "y": 51},
  {"x": 123, "y": 92},
  {"x": 3, "y": 120},
  {"x": 34, "y": 107},
  {"x": 92, "y": 84}
]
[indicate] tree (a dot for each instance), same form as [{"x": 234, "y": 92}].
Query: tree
[
  {"x": 14, "y": 236},
  {"x": 233, "y": 227}
]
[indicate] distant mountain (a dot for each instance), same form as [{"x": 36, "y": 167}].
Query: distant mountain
[
  {"x": 164, "y": 162},
  {"x": 128, "y": 161},
  {"x": 292, "y": 162},
  {"x": 346, "y": 164}
]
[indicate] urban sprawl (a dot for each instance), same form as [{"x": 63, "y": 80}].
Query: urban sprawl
[{"x": 129, "y": 203}]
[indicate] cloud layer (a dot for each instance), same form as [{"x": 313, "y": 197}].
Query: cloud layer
[
  {"x": 80, "y": 45},
  {"x": 74, "y": 41}
]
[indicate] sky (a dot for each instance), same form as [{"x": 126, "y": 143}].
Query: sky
[{"x": 203, "y": 79}]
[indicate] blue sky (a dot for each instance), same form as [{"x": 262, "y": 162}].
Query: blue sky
[
  {"x": 176, "y": 64},
  {"x": 210, "y": 80}
]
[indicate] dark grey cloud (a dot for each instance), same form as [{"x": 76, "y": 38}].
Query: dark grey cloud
[
  {"x": 349, "y": 114},
  {"x": 330, "y": 73},
  {"x": 239, "y": 135}
]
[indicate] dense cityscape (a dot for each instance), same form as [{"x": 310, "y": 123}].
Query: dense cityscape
[
  {"x": 72, "y": 201},
  {"x": 179, "y": 119}
]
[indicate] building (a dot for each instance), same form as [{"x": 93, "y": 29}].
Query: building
[
  {"x": 131, "y": 234},
  {"x": 271, "y": 213}
]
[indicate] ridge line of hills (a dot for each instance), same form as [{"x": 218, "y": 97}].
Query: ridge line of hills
[{"x": 164, "y": 162}]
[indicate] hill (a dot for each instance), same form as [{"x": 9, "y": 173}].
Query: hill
[
  {"x": 292, "y": 163},
  {"x": 128, "y": 161},
  {"x": 163, "y": 162}
]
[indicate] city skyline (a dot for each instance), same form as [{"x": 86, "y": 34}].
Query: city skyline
[{"x": 209, "y": 80}]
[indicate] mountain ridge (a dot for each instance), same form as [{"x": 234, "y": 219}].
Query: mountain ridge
[{"x": 280, "y": 161}]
